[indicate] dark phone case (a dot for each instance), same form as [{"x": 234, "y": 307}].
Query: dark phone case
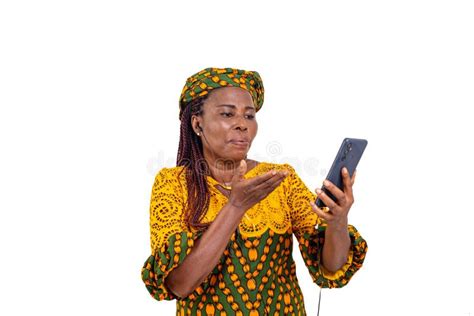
[{"x": 348, "y": 156}]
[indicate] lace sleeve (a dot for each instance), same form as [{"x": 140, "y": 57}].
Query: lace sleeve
[
  {"x": 170, "y": 241},
  {"x": 166, "y": 208}
]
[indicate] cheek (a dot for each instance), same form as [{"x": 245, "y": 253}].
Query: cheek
[
  {"x": 253, "y": 128},
  {"x": 216, "y": 136}
]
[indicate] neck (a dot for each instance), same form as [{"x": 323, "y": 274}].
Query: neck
[{"x": 223, "y": 170}]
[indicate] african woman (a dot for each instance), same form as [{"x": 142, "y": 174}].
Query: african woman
[{"x": 222, "y": 224}]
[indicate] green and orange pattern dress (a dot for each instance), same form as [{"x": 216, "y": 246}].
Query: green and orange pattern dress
[{"x": 256, "y": 274}]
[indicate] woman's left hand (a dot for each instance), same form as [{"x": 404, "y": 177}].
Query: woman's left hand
[{"x": 338, "y": 211}]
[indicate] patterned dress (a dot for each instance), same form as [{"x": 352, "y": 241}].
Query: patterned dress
[{"x": 256, "y": 274}]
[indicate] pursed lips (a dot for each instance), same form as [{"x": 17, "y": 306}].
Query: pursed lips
[{"x": 241, "y": 142}]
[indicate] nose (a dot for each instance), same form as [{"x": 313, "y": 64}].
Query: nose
[{"x": 241, "y": 123}]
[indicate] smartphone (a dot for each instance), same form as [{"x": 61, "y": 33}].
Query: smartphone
[{"x": 348, "y": 156}]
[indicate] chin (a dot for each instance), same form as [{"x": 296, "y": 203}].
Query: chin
[{"x": 237, "y": 155}]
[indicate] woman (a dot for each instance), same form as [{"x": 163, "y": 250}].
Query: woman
[{"x": 222, "y": 224}]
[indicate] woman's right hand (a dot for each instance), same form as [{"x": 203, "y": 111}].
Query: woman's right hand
[{"x": 248, "y": 192}]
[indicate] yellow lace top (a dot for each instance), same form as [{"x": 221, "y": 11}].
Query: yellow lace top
[
  {"x": 269, "y": 213},
  {"x": 271, "y": 222}
]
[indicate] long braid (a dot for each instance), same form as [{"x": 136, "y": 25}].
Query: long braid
[{"x": 190, "y": 155}]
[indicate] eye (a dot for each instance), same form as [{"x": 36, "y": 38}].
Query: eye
[
  {"x": 250, "y": 116},
  {"x": 226, "y": 114}
]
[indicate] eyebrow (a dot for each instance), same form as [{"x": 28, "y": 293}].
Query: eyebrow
[{"x": 248, "y": 107}]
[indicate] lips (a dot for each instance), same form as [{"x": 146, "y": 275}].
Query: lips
[{"x": 240, "y": 142}]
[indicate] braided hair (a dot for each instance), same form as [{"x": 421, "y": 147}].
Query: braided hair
[{"x": 190, "y": 155}]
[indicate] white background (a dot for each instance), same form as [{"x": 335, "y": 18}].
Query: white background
[{"x": 89, "y": 114}]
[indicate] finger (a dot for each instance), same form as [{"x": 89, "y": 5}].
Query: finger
[
  {"x": 336, "y": 192},
  {"x": 266, "y": 188},
  {"x": 271, "y": 183},
  {"x": 270, "y": 175},
  {"x": 262, "y": 178},
  {"x": 347, "y": 182},
  {"x": 323, "y": 214},
  {"x": 275, "y": 184},
  {"x": 326, "y": 199},
  {"x": 353, "y": 177}
]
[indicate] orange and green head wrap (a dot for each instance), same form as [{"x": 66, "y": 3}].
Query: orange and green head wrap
[{"x": 202, "y": 82}]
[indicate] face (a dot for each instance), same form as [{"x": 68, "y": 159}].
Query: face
[{"x": 228, "y": 124}]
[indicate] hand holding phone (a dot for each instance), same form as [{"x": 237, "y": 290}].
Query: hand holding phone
[{"x": 348, "y": 156}]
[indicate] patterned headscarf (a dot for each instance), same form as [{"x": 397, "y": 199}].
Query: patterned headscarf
[{"x": 202, "y": 82}]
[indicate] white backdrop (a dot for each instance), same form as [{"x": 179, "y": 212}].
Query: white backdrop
[{"x": 89, "y": 113}]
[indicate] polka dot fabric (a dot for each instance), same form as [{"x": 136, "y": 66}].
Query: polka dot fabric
[{"x": 202, "y": 82}]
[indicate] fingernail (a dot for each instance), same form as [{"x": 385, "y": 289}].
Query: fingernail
[
  {"x": 318, "y": 191},
  {"x": 273, "y": 172},
  {"x": 326, "y": 182},
  {"x": 344, "y": 170}
]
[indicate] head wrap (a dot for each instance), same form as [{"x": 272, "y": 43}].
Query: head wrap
[{"x": 202, "y": 82}]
